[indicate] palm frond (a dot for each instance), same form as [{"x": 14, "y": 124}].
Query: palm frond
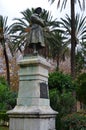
[
  {"x": 63, "y": 4},
  {"x": 51, "y": 1},
  {"x": 82, "y": 6}
]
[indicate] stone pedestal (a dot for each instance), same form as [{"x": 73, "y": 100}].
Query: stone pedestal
[{"x": 33, "y": 111}]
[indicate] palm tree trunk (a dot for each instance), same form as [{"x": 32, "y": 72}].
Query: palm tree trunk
[
  {"x": 57, "y": 68},
  {"x": 7, "y": 66},
  {"x": 73, "y": 38}
]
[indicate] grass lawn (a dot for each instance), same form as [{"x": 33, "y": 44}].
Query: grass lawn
[{"x": 4, "y": 128}]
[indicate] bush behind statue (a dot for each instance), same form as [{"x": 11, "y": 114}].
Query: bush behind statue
[
  {"x": 61, "y": 95},
  {"x": 81, "y": 88},
  {"x": 76, "y": 121},
  {"x": 60, "y": 81}
]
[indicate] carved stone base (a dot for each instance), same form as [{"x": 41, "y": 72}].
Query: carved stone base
[{"x": 33, "y": 111}]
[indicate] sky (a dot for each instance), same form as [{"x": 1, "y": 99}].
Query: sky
[{"x": 12, "y": 8}]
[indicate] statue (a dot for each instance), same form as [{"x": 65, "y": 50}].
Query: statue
[{"x": 36, "y": 40}]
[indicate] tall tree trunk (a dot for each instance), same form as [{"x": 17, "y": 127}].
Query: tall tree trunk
[
  {"x": 73, "y": 44},
  {"x": 7, "y": 66},
  {"x": 57, "y": 68},
  {"x": 73, "y": 38}
]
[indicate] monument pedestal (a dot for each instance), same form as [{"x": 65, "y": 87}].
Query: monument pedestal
[{"x": 33, "y": 111}]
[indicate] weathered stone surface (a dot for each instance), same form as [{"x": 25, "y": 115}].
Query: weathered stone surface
[
  {"x": 33, "y": 111},
  {"x": 32, "y": 124}
]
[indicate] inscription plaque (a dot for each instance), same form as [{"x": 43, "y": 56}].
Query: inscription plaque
[{"x": 44, "y": 90}]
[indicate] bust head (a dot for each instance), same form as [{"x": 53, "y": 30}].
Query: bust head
[{"x": 38, "y": 10}]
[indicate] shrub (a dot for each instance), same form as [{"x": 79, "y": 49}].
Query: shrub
[
  {"x": 7, "y": 97},
  {"x": 54, "y": 99},
  {"x": 63, "y": 103},
  {"x": 60, "y": 81},
  {"x": 4, "y": 116},
  {"x": 81, "y": 88},
  {"x": 61, "y": 87},
  {"x": 76, "y": 121}
]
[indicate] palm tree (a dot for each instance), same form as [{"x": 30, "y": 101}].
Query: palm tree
[
  {"x": 4, "y": 37},
  {"x": 80, "y": 28},
  {"x": 58, "y": 47},
  {"x": 80, "y": 31},
  {"x": 22, "y": 28},
  {"x": 73, "y": 42},
  {"x": 54, "y": 45}
]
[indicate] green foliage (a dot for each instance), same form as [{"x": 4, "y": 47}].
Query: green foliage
[
  {"x": 61, "y": 88},
  {"x": 7, "y": 97},
  {"x": 61, "y": 95},
  {"x": 81, "y": 88},
  {"x": 60, "y": 81},
  {"x": 79, "y": 62},
  {"x": 62, "y": 102},
  {"x": 67, "y": 101},
  {"x": 3, "y": 116},
  {"x": 3, "y": 91},
  {"x": 54, "y": 99},
  {"x": 74, "y": 121}
]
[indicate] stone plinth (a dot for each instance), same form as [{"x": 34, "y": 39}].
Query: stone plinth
[{"x": 33, "y": 111}]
